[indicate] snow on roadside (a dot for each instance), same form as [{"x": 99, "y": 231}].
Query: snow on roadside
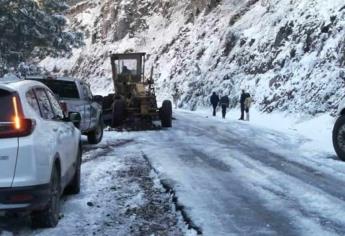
[
  {"x": 120, "y": 195},
  {"x": 316, "y": 129}
]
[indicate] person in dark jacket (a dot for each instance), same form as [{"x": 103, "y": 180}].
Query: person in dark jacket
[
  {"x": 247, "y": 105},
  {"x": 242, "y": 102},
  {"x": 224, "y": 102},
  {"x": 214, "y": 101}
]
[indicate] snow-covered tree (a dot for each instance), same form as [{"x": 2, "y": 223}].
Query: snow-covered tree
[
  {"x": 33, "y": 28},
  {"x": 53, "y": 6}
]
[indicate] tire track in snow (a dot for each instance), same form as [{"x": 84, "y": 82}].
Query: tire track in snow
[
  {"x": 269, "y": 181},
  {"x": 243, "y": 196},
  {"x": 312, "y": 179},
  {"x": 308, "y": 174},
  {"x": 179, "y": 207},
  {"x": 291, "y": 203},
  {"x": 91, "y": 152},
  {"x": 234, "y": 195}
]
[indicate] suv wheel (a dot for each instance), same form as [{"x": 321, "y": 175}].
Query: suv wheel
[
  {"x": 49, "y": 217},
  {"x": 74, "y": 185},
  {"x": 339, "y": 137},
  {"x": 96, "y": 136}
]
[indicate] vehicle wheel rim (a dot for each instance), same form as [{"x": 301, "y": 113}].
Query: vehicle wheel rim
[{"x": 341, "y": 138}]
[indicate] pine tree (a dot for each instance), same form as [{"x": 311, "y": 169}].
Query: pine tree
[
  {"x": 33, "y": 28},
  {"x": 53, "y": 6}
]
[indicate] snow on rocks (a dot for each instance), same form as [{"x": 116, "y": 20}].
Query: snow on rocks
[{"x": 290, "y": 56}]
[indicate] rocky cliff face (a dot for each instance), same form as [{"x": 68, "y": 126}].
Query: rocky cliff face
[{"x": 289, "y": 56}]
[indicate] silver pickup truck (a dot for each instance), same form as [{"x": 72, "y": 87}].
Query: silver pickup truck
[{"x": 75, "y": 96}]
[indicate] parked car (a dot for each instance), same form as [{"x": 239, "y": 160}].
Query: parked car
[
  {"x": 76, "y": 96},
  {"x": 40, "y": 151}
]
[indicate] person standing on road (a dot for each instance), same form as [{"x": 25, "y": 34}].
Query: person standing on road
[
  {"x": 242, "y": 100},
  {"x": 214, "y": 101},
  {"x": 247, "y": 104},
  {"x": 176, "y": 96},
  {"x": 224, "y": 102}
]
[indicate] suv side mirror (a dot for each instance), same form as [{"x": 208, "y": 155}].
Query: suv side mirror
[{"x": 75, "y": 118}]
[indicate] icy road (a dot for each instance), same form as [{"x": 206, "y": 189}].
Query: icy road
[
  {"x": 237, "y": 179},
  {"x": 224, "y": 177}
]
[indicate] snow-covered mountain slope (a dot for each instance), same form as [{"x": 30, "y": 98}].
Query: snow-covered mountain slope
[{"x": 290, "y": 55}]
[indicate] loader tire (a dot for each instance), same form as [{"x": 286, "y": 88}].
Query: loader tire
[
  {"x": 339, "y": 137},
  {"x": 118, "y": 114},
  {"x": 166, "y": 114}
]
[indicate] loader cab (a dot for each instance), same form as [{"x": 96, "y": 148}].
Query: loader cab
[{"x": 128, "y": 68}]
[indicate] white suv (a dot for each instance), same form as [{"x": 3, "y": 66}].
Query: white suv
[{"x": 40, "y": 151}]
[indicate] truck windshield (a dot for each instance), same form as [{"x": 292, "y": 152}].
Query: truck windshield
[
  {"x": 64, "y": 89},
  {"x": 7, "y": 112}
]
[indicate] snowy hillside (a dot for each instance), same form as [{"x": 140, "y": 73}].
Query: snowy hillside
[{"x": 290, "y": 54}]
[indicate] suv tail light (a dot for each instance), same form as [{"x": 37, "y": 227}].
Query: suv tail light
[{"x": 18, "y": 126}]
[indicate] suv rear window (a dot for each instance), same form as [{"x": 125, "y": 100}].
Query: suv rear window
[
  {"x": 7, "y": 110},
  {"x": 64, "y": 89}
]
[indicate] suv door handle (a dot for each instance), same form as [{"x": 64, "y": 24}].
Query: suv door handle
[{"x": 55, "y": 129}]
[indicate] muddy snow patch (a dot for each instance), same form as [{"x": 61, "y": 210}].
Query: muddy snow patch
[{"x": 146, "y": 206}]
